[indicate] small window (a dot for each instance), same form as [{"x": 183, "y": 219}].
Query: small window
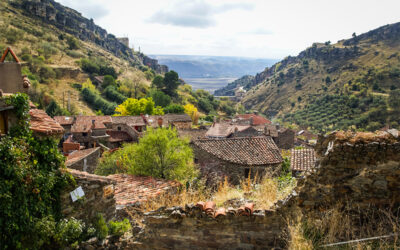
[
  {"x": 119, "y": 128},
  {"x": 3, "y": 123},
  {"x": 196, "y": 160},
  {"x": 246, "y": 172},
  {"x": 84, "y": 134}
]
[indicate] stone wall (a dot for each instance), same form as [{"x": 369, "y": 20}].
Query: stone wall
[
  {"x": 285, "y": 139},
  {"x": 356, "y": 170},
  {"x": 208, "y": 228},
  {"x": 98, "y": 198},
  {"x": 215, "y": 169},
  {"x": 182, "y": 125},
  {"x": 88, "y": 163}
]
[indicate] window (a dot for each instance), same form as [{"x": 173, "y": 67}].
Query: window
[
  {"x": 196, "y": 160},
  {"x": 84, "y": 134},
  {"x": 246, "y": 172},
  {"x": 119, "y": 128}
]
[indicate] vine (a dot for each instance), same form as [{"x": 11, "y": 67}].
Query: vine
[{"x": 30, "y": 181}]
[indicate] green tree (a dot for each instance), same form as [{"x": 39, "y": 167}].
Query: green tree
[
  {"x": 158, "y": 82},
  {"x": 159, "y": 97},
  {"x": 53, "y": 109},
  {"x": 73, "y": 43},
  {"x": 108, "y": 80},
  {"x": 161, "y": 153},
  {"x": 394, "y": 99},
  {"x": 174, "y": 109},
  {"x": 171, "y": 83}
]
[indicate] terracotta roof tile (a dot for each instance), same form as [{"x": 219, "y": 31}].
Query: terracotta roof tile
[
  {"x": 257, "y": 120},
  {"x": 177, "y": 118},
  {"x": 223, "y": 130},
  {"x": 84, "y": 123},
  {"x": 65, "y": 120},
  {"x": 118, "y": 136},
  {"x": 79, "y": 155},
  {"x": 131, "y": 190},
  {"x": 302, "y": 159},
  {"x": 128, "y": 120},
  {"x": 44, "y": 124},
  {"x": 243, "y": 150}
]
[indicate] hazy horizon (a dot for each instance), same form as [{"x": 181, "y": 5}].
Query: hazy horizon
[{"x": 251, "y": 28}]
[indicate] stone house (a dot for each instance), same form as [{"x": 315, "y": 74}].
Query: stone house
[
  {"x": 227, "y": 130},
  {"x": 178, "y": 121},
  {"x": 237, "y": 158},
  {"x": 84, "y": 160},
  {"x": 302, "y": 160},
  {"x": 66, "y": 122},
  {"x": 89, "y": 131},
  {"x": 283, "y": 137}
]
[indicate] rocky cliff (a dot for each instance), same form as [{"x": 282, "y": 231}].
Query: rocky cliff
[{"x": 72, "y": 22}]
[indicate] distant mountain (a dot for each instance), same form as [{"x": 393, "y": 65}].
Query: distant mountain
[
  {"x": 191, "y": 66},
  {"x": 229, "y": 90},
  {"x": 351, "y": 84}
]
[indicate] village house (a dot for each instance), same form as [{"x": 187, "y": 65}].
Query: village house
[
  {"x": 237, "y": 158},
  {"x": 302, "y": 160},
  {"x": 252, "y": 119},
  {"x": 283, "y": 137},
  {"x": 305, "y": 138},
  {"x": 178, "y": 121},
  {"x": 84, "y": 160},
  {"x": 227, "y": 130},
  {"x": 89, "y": 131},
  {"x": 66, "y": 122}
]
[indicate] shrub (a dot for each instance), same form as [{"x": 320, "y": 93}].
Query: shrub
[
  {"x": 113, "y": 95},
  {"x": 174, "y": 109},
  {"x": 118, "y": 228},
  {"x": 159, "y": 98},
  {"x": 101, "y": 227},
  {"x": 97, "y": 102},
  {"x": 133, "y": 106},
  {"x": 73, "y": 43}
]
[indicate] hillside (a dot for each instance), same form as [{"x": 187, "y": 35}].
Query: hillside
[
  {"x": 61, "y": 49},
  {"x": 351, "y": 84},
  {"x": 229, "y": 90}
]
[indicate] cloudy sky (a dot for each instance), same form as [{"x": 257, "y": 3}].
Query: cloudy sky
[{"x": 249, "y": 28}]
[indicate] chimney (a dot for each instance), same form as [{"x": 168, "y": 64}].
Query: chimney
[
  {"x": 160, "y": 121},
  {"x": 93, "y": 123}
]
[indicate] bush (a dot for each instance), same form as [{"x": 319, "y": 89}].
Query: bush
[
  {"x": 113, "y": 95},
  {"x": 97, "y": 102},
  {"x": 159, "y": 98},
  {"x": 73, "y": 43},
  {"x": 101, "y": 227},
  {"x": 174, "y": 109},
  {"x": 13, "y": 35},
  {"x": 118, "y": 228},
  {"x": 74, "y": 54}
]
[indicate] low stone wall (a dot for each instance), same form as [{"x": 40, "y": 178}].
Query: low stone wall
[
  {"x": 197, "y": 228},
  {"x": 357, "y": 170},
  {"x": 98, "y": 197}
]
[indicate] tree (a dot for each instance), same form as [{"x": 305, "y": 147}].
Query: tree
[
  {"x": 158, "y": 82},
  {"x": 108, "y": 80},
  {"x": 133, "y": 106},
  {"x": 394, "y": 99},
  {"x": 72, "y": 43},
  {"x": 354, "y": 34},
  {"x": 161, "y": 153},
  {"x": 191, "y": 110},
  {"x": 171, "y": 83},
  {"x": 159, "y": 97},
  {"x": 53, "y": 109},
  {"x": 174, "y": 109}
]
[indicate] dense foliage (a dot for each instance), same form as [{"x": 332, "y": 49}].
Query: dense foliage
[
  {"x": 30, "y": 181},
  {"x": 113, "y": 95},
  {"x": 143, "y": 106},
  {"x": 159, "y": 153},
  {"x": 97, "y": 102}
]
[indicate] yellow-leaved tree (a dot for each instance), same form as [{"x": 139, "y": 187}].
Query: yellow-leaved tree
[
  {"x": 192, "y": 111},
  {"x": 143, "y": 106}
]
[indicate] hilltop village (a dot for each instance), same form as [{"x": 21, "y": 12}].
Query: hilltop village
[{"x": 247, "y": 151}]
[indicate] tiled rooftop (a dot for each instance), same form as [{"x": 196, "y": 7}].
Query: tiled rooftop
[
  {"x": 244, "y": 150},
  {"x": 257, "y": 120},
  {"x": 177, "y": 118},
  {"x": 79, "y": 155},
  {"x": 84, "y": 123},
  {"x": 128, "y": 120},
  {"x": 65, "y": 120},
  {"x": 118, "y": 136},
  {"x": 134, "y": 190},
  {"x": 302, "y": 159},
  {"x": 224, "y": 130},
  {"x": 44, "y": 124}
]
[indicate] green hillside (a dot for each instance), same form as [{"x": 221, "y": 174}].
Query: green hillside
[
  {"x": 351, "y": 84},
  {"x": 59, "y": 59}
]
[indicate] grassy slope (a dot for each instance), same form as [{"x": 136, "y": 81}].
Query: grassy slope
[
  {"x": 276, "y": 95},
  {"x": 13, "y": 19}
]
